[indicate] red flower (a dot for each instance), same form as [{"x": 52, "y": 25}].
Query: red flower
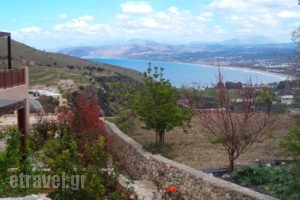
[{"x": 171, "y": 189}]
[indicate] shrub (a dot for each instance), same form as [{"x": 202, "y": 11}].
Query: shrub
[
  {"x": 285, "y": 184},
  {"x": 247, "y": 176},
  {"x": 12, "y": 156},
  {"x": 11, "y": 159},
  {"x": 280, "y": 181}
]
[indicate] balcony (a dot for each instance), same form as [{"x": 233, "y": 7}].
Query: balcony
[
  {"x": 13, "y": 89},
  {"x": 12, "y": 77}
]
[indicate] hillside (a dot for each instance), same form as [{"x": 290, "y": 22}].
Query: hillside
[{"x": 47, "y": 67}]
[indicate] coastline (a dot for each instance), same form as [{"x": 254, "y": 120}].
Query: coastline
[{"x": 281, "y": 76}]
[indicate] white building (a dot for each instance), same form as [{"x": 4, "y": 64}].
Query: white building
[{"x": 287, "y": 99}]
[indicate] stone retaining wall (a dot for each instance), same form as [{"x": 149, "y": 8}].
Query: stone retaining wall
[{"x": 191, "y": 183}]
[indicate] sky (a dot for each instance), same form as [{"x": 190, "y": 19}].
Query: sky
[{"x": 54, "y": 24}]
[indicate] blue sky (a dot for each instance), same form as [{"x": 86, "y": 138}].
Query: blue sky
[{"x": 53, "y": 24}]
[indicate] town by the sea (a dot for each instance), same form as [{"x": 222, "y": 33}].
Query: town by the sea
[{"x": 186, "y": 74}]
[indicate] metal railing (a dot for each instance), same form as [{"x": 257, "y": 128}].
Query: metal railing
[{"x": 12, "y": 77}]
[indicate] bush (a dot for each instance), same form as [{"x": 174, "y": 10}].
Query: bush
[
  {"x": 247, "y": 176},
  {"x": 12, "y": 156},
  {"x": 280, "y": 181},
  {"x": 11, "y": 159},
  {"x": 42, "y": 131},
  {"x": 285, "y": 184}
]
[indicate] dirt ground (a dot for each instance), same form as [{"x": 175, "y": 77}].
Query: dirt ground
[{"x": 194, "y": 149}]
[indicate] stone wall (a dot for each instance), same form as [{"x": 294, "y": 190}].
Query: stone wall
[{"x": 191, "y": 183}]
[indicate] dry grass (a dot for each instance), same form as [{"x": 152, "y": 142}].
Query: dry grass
[{"x": 195, "y": 149}]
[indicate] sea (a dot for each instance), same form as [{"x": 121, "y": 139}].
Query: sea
[{"x": 186, "y": 74}]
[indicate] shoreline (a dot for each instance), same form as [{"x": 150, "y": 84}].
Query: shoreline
[
  {"x": 245, "y": 69},
  {"x": 282, "y": 76}
]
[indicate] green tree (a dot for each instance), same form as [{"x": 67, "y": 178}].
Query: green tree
[
  {"x": 267, "y": 96},
  {"x": 157, "y": 104}
]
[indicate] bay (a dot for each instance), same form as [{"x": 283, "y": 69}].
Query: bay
[{"x": 195, "y": 74}]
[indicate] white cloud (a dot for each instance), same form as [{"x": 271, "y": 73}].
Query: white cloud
[
  {"x": 122, "y": 16},
  {"x": 136, "y": 7},
  {"x": 205, "y": 17},
  {"x": 63, "y": 16},
  {"x": 236, "y": 5},
  {"x": 289, "y": 14},
  {"x": 218, "y": 21},
  {"x": 255, "y": 17},
  {"x": 31, "y": 30},
  {"x": 148, "y": 22},
  {"x": 170, "y": 25},
  {"x": 82, "y": 25},
  {"x": 173, "y": 10},
  {"x": 86, "y": 18}
]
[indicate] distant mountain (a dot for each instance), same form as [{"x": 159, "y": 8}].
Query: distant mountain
[
  {"x": 236, "y": 51},
  {"x": 130, "y": 49},
  {"x": 249, "y": 40}
]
